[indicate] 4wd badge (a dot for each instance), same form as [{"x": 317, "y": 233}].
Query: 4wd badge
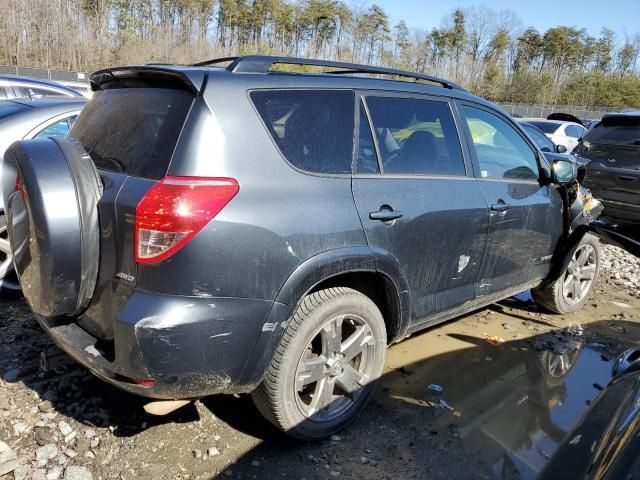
[{"x": 125, "y": 276}]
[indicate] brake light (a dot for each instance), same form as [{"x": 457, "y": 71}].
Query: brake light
[{"x": 174, "y": 210}]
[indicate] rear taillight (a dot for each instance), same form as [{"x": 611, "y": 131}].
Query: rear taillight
[{"x": 174, "y": 210}]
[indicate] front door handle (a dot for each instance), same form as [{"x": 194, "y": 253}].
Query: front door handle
[
  {"x": 500, "y": 207},
  {"x": 385, "y": 215}
]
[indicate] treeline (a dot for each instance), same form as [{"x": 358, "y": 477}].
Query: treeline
[{"x": 488, "y": 51}]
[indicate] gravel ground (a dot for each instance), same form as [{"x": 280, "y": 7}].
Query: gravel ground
[{"x": 70, "y": 425}]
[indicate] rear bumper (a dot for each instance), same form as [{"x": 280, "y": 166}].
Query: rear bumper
[{"x": 188, "y": 346}]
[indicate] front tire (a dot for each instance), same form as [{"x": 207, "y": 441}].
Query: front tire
[
  {"x": 572, "y": 289},
  {"x": 325, "y": 368}
]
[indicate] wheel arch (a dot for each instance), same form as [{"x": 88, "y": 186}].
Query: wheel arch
[{"x": 373, "y": 272}]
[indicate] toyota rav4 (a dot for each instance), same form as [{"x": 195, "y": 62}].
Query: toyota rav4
[{"x": 231, "y": 227}]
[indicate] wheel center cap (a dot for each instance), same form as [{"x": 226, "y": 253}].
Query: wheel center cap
[{"x": 335, "y": 367}]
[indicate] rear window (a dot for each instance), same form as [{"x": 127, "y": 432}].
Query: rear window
[
  {"x": 546, "y": 127},
  {"x": 623, "y": 131},
  {"x": 134, "y": 130},
  {"x": 313, "y": 129},
  {"x": 11, "y": 108}
]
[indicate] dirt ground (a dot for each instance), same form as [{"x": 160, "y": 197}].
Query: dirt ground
[{"x": 503, "y": 410}]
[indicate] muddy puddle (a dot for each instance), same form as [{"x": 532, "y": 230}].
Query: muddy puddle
[{"x": 512, "y": 403}]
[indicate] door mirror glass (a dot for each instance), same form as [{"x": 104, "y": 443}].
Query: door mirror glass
[
  {"x": 561, "y": 149},
  {"x": 564, "y": 172}
]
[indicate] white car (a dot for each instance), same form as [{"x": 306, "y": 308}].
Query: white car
[{"x": 560, "y": 132}]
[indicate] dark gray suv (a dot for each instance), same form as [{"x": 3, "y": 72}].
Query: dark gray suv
[{"x": 227, "y": 229}]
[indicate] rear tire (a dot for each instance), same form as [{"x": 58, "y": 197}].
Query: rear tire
[
  {"x": 325, "y": 368},
  {"x": 571, "y": 290}
]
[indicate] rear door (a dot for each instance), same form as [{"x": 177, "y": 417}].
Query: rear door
[
  {"x": 526, "y": 217},
  {"x": 417, "y": 197}
]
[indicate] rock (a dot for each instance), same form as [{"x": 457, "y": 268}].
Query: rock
[
  {"x": 89, "y": 433},
  {"x": 46, "y": 453},
  {"x": 19, "y": 428},
  {"x": 42, "y": 435},
  {"x": 334, "y": 473},
  {"x": 55, "y": 473},
  {"x": 20, "y": 473},
  {"x": 71, "y": 453},
  {"x": 39, "y": 474},
  {"x": 45, "y": 407},
  {"x": 95, "y": 442},
  {"x": 90, "y": 455},
  {"x": 213, "y": 451},
  {"x": 255, "y": 463},
  {"x": 12, "y": 375},
  {"x": 197, "y": 453},
  {"x": 77, "y": 473},
  {"x": 335, "y": 438},
  {"x": 8, "y": 459},
  {"x": 65, "y": 428},
  {"x": 363, "y": 460}
]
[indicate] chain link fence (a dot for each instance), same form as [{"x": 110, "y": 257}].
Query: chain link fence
[
  {"x": 45, "y": 74},
  {"x": 543, "y": 111}
]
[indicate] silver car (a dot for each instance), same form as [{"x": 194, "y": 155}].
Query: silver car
[
  {"x": 22, "y": 119},
  {"x": 24, "y": 87}
]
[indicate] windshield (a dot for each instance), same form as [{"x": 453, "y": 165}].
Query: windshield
[{"x": 546, "y": 127}]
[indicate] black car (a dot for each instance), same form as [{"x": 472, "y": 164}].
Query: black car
[
  {"x": 248, "y": 229},
  {"x": 613, "y": 175},
  {"x": 606, "y": 441}
]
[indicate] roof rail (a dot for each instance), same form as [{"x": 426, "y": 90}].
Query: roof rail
[{"x": 263, "y": 64}]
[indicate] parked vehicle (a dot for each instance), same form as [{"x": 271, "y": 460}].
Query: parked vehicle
[
  {"x": 613, "y": 175},
  {"x": 24, "y": 87},
  {"x": 605, "y": 442},
  {"x": 540, "y": 139},
  {"x": 26, "y": 119},
  {"x": 561, "y": 132},
  {"x": 226, "y": 233},
  {"x": 547, "y": 146}
]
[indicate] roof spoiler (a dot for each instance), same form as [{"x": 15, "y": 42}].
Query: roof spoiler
[
  {"x": 147, "y": 76},
  {"x": 565, "y": 117}
]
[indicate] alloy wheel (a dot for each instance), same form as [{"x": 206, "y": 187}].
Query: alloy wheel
[
  {"x": 334, "y": 368},
  {"x": 580, "y": 274}
]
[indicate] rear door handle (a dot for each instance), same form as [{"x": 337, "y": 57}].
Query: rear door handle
[
  {"x": 385, "y": 215},
  {"x": 627, "y": 179},
  {"x": 500, "y": 207}
]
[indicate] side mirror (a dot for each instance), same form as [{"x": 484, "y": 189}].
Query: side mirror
[
  {"x": 563, "y": 172},
  {"x": 561, "y": 149}
]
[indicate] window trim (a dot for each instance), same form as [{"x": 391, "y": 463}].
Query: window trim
[
  {"x": 361, "y": 95},
  {"x": 267, "y": 129},
  {"x": 543, "y": 166}
]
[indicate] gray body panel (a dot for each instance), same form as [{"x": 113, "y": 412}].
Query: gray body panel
[{"x": 208, "y": 318}]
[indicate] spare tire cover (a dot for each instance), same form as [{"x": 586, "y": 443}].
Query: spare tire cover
[{"x": 51, "y": 190}]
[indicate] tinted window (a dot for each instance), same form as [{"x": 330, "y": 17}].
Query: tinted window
[
  {"x": 539, "y": 138},
  {"x": 367, "y": 158},
  {"x": 416, "y": 136},
  {"x": 546, "y": 127},
  {"x": 133, "y": 131},
  {"x": 58, "y": 129},
  {"x": 501, "y": 151},
  {"x": 313, "y": 129},
  {"x": 10, "y": 108},
  {"x": 622, "y": 132}
]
